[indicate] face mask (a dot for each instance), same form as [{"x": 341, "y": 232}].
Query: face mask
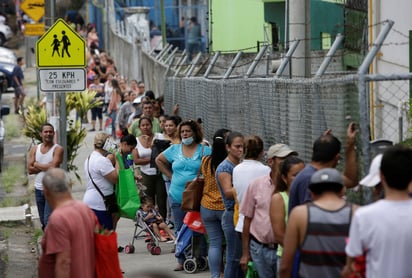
[{"x": 187, "y": 141}]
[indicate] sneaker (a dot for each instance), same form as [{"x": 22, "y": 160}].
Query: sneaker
[{"x": 92, "y": 129}]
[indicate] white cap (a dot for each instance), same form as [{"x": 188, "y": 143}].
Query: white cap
[{"x": 373, "y": 178}]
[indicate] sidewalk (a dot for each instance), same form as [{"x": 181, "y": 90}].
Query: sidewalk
[{"x": 131, "y": 264}]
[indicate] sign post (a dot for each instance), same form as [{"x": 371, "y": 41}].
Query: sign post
[{"x": 61, "y": 62}]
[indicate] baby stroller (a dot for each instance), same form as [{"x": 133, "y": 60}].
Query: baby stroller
[
  {"x": 189, "y": 246},
  {"x": 152, "y": 245}
]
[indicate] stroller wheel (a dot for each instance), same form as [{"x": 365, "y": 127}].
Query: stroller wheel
[
  {"x": 190, "y": 266},
  {"x": 155, "y": 250},
  {"x": 202, "y": 263},
  {"x": 129, "y": 249}
]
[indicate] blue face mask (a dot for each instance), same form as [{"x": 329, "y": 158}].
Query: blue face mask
[{"x": 187, "y": 141}]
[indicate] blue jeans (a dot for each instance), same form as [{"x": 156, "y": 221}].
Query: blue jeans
[
  {"x": 233, "y": 247},
  {"x": 212, "y": 220},
  {"x": 264, "y": 259},
  {"x": 178, "y": 216},
  {"x": 113, "y": 115},
  {"x": 42, "y": 207}
]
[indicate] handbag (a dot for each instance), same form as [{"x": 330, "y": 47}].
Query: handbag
[
  {"x": 127, "y": 192},
  {"x": 192, "y": 195},
  {"x": 107, "y": 263},
  {"x": 110, "y": 201},
  {"x": 194, "y": 221}
]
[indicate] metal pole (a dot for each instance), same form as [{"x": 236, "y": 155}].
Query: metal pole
[
  {"x": 163, "y": 21},
  {"x": 63, "y": 127},
  {"x": 287, "y": 58},
  {"x": 233, "y": 65},
  {"x": 329, "y": 56},
  {"x": 211, "y": 65},
  {"x": 375, "y": 47},
  {"x": 256, "y": 60},
  {"x": 194, "y": 62}
]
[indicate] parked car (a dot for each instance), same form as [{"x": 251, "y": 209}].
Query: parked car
[
  {"x": 4, "y": 110},
  {"x": 5, "y": 33},
  {"x": 7, "y": 56},
  {"x": 8, "y": 61}
]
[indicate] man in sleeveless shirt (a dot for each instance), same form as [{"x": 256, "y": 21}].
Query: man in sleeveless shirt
[
  {"x": 319, "y": 229},
  {"x": 42, "y": 157}
]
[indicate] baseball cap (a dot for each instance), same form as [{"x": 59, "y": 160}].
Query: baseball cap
[
  {"x": 372, "y": 178},
  {"x": 326, "y": 176},
  {"x": 280, "y": 150},
  {"x": 137, "y": 100},
  {"x": 99, "y": 139}
]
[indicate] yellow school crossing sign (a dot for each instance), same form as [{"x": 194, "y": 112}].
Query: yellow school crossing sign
[{"x": 61, "y": 47}]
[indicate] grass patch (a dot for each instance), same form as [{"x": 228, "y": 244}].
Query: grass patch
[
  {"x": 36, "y": 234},
  {"x": 13, "y": 175},
  {"x": 12, "y": 126}
]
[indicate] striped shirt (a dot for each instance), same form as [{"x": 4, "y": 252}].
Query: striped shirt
[{"x": 323, "y": 249}]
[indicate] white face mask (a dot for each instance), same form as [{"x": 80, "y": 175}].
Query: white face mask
[{"x": 187, "y": 141}]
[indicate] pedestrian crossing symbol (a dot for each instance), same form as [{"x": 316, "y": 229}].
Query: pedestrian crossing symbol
[{"x": 61, "y": 46}]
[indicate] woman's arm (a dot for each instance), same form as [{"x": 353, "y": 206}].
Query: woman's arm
[
  {"x": 225, "y": 180},
  {"x": 277, "y": 217},
  {"x": 163, "y": 166},
  {"x": 138, "y": 160}
]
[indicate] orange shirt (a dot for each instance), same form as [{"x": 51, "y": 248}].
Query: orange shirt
[{"x": 211, "y": 199}]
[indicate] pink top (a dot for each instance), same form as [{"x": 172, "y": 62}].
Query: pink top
[{"x": 255, "y": 205}]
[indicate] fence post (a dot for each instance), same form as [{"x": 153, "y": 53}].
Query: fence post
[
  {"x": 171, "y": 56},
  {"x": 329, "y": 56},
  {"x": 363, "y": 69},
  {"x": 212, "y": 64},
  {"x": 233, "y": 65},
  {"x": 193, "y": 65},
  {"x": 161, "y": 52},
  {"x": 287, "y": 58},
  {"x": 169, "y": 47},
  {"x": 256, "y": 60}
]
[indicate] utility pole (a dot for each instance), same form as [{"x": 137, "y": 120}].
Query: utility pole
[{"x": 299, "y": 28}]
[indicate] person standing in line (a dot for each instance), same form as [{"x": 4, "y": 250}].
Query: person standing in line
[
  {"x": 319, "y": 229},
  {"x": 126, "y": 110},
  {"x": 101, "y": 177},
  {"x": 42, "y": 157},
  {"x": 234, "y": 146},
  {"x": 249, "y": 169},
  {"x": 185, "y": 159},
  {"x": 114, "y": 105},
  {"x": 18, "y": 78},
  {"x": 280, "y": 201},
  {"x": 147, "y": 111},
  {"x": 68, "y": 248},
  {"x": 194, "y": 37},
  {"x": 326, "y": 154},
  {"x": 382, "y": 229},
  {"x": 258, "y": 240},
  {"x": 212, "y": 207},
  {"x": 97, "y": 111},
  {"x": 152, "y": 178}
]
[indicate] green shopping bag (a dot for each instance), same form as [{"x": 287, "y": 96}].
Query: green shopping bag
[
  {"x": 127, "y": 193},
  {"x": 251, "y": 271}
]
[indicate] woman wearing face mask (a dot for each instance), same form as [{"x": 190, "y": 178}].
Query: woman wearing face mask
[{"x": 185, "y": 159}]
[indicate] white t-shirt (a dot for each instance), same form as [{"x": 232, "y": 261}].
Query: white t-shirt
[
  {"x": 383, "y": 229},
  {"x": 99, "y": 166},
  {"x": 243, "y": 174},
  {"x": 146, "y": 153}
]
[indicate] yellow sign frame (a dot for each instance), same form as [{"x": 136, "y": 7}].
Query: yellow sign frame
[
  {"x": 33, "y": 8},
  {"x": 61, "y": 47}
]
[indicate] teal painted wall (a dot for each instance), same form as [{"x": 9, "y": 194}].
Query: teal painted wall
[
  {"x": 236, "y": 24},
  {"x": 325, "y": 17}
]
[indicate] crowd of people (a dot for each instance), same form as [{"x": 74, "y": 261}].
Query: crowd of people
[{"x": 266, "y": 206}]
